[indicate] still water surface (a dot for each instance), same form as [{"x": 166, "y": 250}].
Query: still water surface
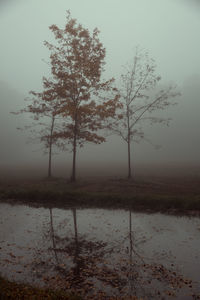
[{"x": 101, "y": 253}]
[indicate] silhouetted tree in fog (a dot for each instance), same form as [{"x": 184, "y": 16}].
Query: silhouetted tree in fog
[{"x": 140, "y": 98}]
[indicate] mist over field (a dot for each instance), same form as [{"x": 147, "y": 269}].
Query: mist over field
[
  {"x": 168, "y": 30},
  {"x": 178, "y": 154},
  {"x": 99, "y": 149}
]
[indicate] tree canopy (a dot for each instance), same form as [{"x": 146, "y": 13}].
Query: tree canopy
[{"x": 85, "y": 101}]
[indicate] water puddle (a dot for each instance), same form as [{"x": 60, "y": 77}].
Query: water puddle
[{"x": 101, "y": 253}]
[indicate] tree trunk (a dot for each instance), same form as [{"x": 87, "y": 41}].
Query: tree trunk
[
  {"x": 50, "y": 147},
  {"x": 49, "y": 167},
  {"x": 129, "y": 160},
  {"x": 73, "y": 177},
  {"x": 129, "y": 144}
]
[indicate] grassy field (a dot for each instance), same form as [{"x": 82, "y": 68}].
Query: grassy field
[{"x": 152, "y": 194}]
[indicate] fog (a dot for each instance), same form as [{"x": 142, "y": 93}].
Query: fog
[{"x": 168, "y": 29}]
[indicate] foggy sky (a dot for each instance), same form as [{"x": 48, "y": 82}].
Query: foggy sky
[{"x": 168, "y": 29}]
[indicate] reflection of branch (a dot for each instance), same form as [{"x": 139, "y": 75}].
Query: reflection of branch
[
  {"x": 77, "y": 250},
  {"x": 53, "y": 236},
  {"x": 133, "y": 275},
  {"x": 75, "y": 226},
  {"x": 132, "y": 248}
]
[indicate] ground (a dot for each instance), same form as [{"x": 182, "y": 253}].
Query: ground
[{"x": 143, "y": 193}]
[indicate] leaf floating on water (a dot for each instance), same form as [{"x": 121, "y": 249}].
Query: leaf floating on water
[{"x": 12, "y": 255}]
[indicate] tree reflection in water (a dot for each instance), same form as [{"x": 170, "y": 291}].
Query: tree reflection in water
[
  {"x": 95, "y": 268},
  {"x": 149, "y": 279},
  {"x": 88, "y": 269}
]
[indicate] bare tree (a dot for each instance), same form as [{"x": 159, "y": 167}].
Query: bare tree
[{"x": 140, "y": 98}]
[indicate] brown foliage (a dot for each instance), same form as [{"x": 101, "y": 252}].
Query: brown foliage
[
  {"x": 85, "y": 102},
  {"x": 75, "y": 100}
]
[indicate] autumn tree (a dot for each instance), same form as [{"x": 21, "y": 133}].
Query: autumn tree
[
  {"x": 141, "y": 99},
  {"x": 77, "y": 61}
]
